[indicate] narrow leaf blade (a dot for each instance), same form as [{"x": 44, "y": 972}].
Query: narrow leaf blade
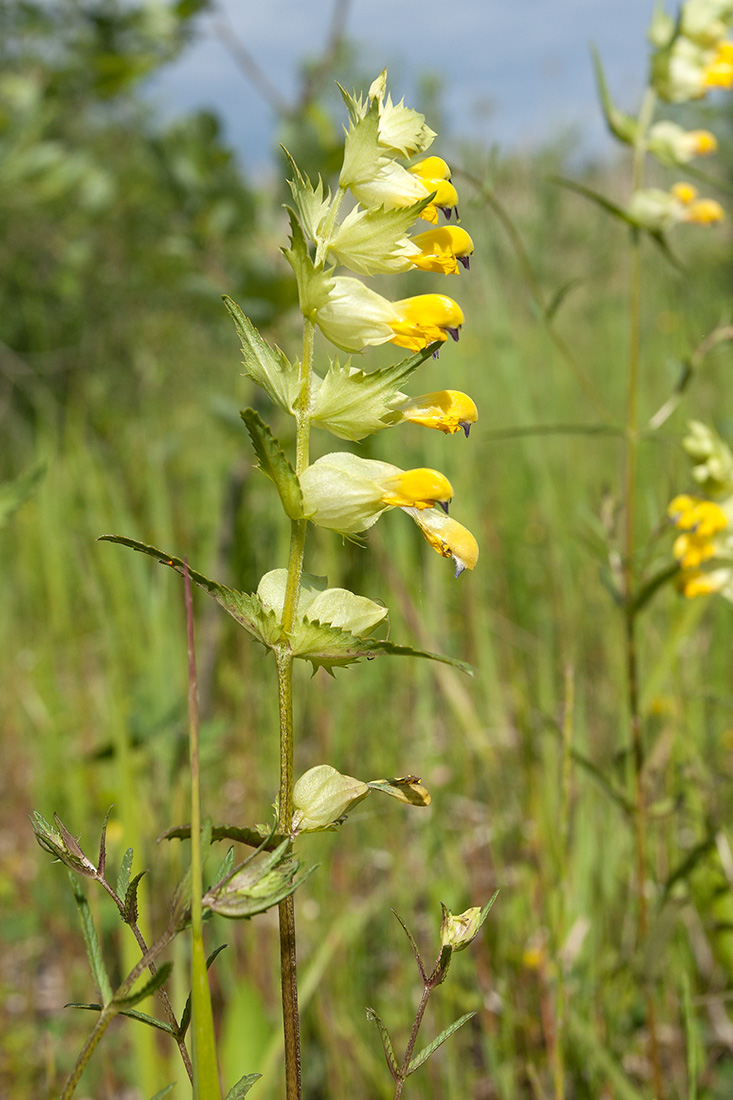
[
  {"x": 389, "y": 1053},
  {"x": 94, "y": 951},
  {"x": 242, "y": 1087},
  {"x": 425, "y": 1053},
  {"x": 154, "y": 982},
  {"x": 274, "y": 463}
]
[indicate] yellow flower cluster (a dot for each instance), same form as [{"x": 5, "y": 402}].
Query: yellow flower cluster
[
  {"x": 692, "y": 53},
  {"x": 700, "y": 523},
  {"x": 392, "y": 191}
]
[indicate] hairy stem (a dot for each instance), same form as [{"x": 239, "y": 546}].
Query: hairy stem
[
  {"x": 284, "y": 662},
  {"x": 427, "y": 990}
]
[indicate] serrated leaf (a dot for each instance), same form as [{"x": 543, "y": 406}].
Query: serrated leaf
[
  {"x": 14, "y": 494},
  {"x": 186, "y": 1014},
  {"x": 268, "y": 367},
  {"x": 247, "y": 610},
  {"x": 252, "y": 837},
  {"x": 408, "y": 789},
  {"x": 426, "y": 1052},
  {"x": 352, "y": 404},
  {"x": 372, "y": 241},
  {"x": 123, "y": 878},
  {"x": 274, "y": 463},
  {"x": 327, "y": 647},
  {"x": 91, "y": 942},
  {"x": 389, "y": 1053},
  {"x": 154, "y": 982},
  {"x": 242, "y": 1087},
  {"x": 311, "y": 206},
  {"x": 130, "y": 903}
]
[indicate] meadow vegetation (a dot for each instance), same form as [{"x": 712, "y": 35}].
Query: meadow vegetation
[{"x": 120, "y": 382}]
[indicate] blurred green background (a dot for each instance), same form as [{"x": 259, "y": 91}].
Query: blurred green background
[{"x": 119, "y": 372}]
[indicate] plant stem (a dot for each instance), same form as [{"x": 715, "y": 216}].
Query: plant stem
[
  {"x": 630, "y": 609},
  {"x": 205, "y": 1070},
  {"x": 427, "y": 990},
  {"x": 284, "y": 663}
]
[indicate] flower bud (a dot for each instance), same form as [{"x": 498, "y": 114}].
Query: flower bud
[
  {"x": 713, "y": 469},
  {"x": 448, "y": 537},
  {"x": 257, "y": 884},
  {"x": 460, "y": 931},
  {"x": 61, "y": 844},
  {"x": 672, "y": 144}
]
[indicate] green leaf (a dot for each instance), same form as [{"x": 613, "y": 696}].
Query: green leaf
[
  {"x": 205, "y": 1069},
  {"x": 352, "y": 403},
  {"x": 123, "y": 878},
  {"x": 266, "y": 366},
  {"x": 226, "y": 832},
  {"x": 431, "y": 1048},
  {"x": 130, "y": 903},
  {"x": 247, "y": 610},
  {"x": 389, "y": 1053},
  {"x": 225, "y": 867},
  {"x": 154, "y": 982},
  {"x": 14, "y": 494},
  {"x": 621, "y": 125},
  {"x": 94, "y": 951},
  {"x": 133, "y": 1014},
  {"x": 274, "y": 463},
  {"x": 328, "y": 647},
  {"x": 413, "y": 945},
  {"x": 560, "y": 295},
  {"x": 242, "y": 1087}
]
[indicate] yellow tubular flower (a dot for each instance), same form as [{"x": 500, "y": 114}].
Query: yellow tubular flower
[
  {"x": 434, "y": 174},
  {"x": 448, "y": 537},
  {"x": 449, "y": 411},
  {"x": 442, "y": 249},
  {"x": 719, "y": 72},
  {"x": 686, "y": 193},
  {"x": 705, "y": 212},
  {"x": 703, "y": 517},
  {"x": 420, "y": 488},
  {"x": 694, "y": 582},
  {"x": 422, "y": 320},
  {"x": 702, "y": 142}
]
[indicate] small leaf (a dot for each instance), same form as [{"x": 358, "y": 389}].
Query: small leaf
[
  {"x": 274, "y": 463},
  {"x": 225, "y": 867},
  {"x": 389, "y": 1053},
  {"x": 133, "y": 1014},
  {"x": 130, "y": 903},
  {"x": 328, "y": 647},
  {"x": 242, "y": 1087},
  {"x": 186, "y": 1014},
  {"x": 94, "y": 951},
  {"x": 154, "y": 982},
  {"x": 102, "y": 862},
  {"x": 227, "y": 832},
  {"x": 266, "y": 366},
  {"x": 425, "y": 1053},
  {"x": 413, "y": 945},
  {"x": 123, "y": 878}
]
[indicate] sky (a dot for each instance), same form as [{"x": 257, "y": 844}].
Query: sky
[{"x": 514, "y": 72}]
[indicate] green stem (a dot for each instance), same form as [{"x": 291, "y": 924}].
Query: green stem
[
  {"x": 630, "y": 607},
  {"x": 427, "y": 990},
  {"x": 284, "y": 663}
]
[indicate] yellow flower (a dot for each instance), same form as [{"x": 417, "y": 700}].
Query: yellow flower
[
  {"x": 347, "y": 493},
  {"x": 442, "y": 249},
  {"x": 659, "y": 210},
  {"x": 422, "y": 320},
  {"x": 719, "y": 70},
  {"x": 693, "y": 582},
  {"x": 672, "y": 144},
  {"x": 699, "y": 521},
  {"x": 434, "y": 174},
  {"x": 449, "y": 411},
  {"x": 420, "y": 488},
  {"x": 448, "y": 537}
]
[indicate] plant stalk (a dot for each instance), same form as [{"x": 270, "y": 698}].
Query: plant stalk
[{"x": 284, "y": 663}]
